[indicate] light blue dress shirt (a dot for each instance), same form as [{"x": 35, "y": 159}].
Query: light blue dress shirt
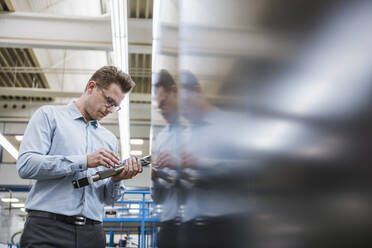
[
  {"x": 169, "y": 139},
  {"x": 54, "y": 152},
  {"x": 206, "y": 142}
]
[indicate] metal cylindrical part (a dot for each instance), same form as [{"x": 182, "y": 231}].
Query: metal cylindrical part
[{"x": 95, "y": 177}]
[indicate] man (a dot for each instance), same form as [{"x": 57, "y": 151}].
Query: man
[
  {"x": 166, "y": 153},
  {"x": 64, "y": 143},
  {"x": 211, "y": 207}
]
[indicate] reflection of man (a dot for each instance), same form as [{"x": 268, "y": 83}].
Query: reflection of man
[
  {"x": 166, "y": 152},
  {"x": 63, "y": 143},
  {"x": 208, "y": 209}
]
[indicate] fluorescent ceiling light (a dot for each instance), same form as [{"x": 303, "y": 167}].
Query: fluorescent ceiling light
[
  {"x": 19, "y": 137},
  {"x": 136, "y": 153},
  {"x": 136, "y": 141},
  {"x": 18, "y": 205},
  {"x": 8, "y": 146},
  {"x": 9, "y": 200}
]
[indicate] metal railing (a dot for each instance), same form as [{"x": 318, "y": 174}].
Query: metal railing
[{"x": 133, "y": 217}]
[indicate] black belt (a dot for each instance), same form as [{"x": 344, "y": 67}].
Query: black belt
[
  {"x": 172, "y": 222},
  {"x": 202, "y": 221},
  {"x": 73, "y": 220}
]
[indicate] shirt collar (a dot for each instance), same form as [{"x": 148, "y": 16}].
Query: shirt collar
[
  {"x": 76, "y": 114},
  {"x": 94, "y": 123},
  {"x": 173, "y": 125}
]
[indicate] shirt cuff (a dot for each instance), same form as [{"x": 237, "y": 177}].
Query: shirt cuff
[
  {"x": 116, "y": 189},
  {"x": 116, "y": 185},
  {"x": 79, "y": 162}
]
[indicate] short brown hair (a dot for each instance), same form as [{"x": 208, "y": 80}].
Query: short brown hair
[
  {"x": 165, "y": 80},
  {"x": 107, "y": 75}
]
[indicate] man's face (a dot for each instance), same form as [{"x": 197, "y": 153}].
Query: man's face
[
  {"x": 167, "y": 102},
  {"x": 101, "y": 101}
]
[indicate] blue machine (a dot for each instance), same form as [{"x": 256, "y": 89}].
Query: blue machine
[{"x": 133, "y": 217}]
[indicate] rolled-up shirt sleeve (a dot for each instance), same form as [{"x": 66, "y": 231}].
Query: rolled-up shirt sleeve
[{"x": 34, "y": 162}]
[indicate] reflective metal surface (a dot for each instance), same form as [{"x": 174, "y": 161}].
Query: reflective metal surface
[{"x": 275, "y": 100}]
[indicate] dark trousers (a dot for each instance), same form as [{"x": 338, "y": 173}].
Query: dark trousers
[
  {"x": 168, "y": 236},
  {"x": 42, "y": 232},
  {"x": 227, "y": 232}
]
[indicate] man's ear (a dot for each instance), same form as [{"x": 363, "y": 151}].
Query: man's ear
[{"x": 90, "y": 86}]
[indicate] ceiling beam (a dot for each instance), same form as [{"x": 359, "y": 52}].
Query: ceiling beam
[
  {"x": 133, "y": 71},
  {"x": 17, "y": 29},
  {"x": 39, "y": 92}
]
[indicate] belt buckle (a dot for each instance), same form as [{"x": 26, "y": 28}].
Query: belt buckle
[
  {"x": 79, "y": 220},
  {"x": 177, "y": 221},
  {"x": 200, "y": 222}
]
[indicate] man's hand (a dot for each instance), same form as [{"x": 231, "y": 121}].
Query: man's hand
[
  {"x": 166, "y": 159},
  {"x": 189, "y": 160},
  {"x": 131, "y": 168},
  {"x": 103, "y": 157}
]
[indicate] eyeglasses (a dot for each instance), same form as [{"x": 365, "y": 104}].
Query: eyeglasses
[{"x": 109, "y": 102}]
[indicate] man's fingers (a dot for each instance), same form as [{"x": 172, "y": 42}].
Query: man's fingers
[
  {"x": 102, "y": 156},
  {"x": 116, "y": 157},
  {"x": 108, "y": 156},
  {"x": 163, "y": 154},
  {"x": 124, "y": 173},
  {"x": 159, "y": 162},
  {"x": 112, "y": 156},
  {"x": 139, "y": 166},
  {"x": 107, "y": 162},
  {"x": 160, "y": 158},
  {"x": 129, "y": 168},
  {"x": 135, "y": 163},
  {"x": 126, "y": 170}
]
